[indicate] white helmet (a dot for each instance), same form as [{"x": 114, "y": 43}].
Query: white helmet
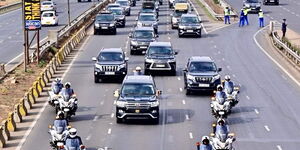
[
  {"x": 219, "y": 87},
  {"x": 221, "y": 120},
  {"x": 57, "y": 79},
  {"x": 227, "y": 77},
  {"x": 73, "y": 132},
  {"x": 138, "y": 68},
  {"x": 68, "y": 84}
]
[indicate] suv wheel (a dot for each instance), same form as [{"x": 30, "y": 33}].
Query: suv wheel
[
  {"x": 200, "y": 35},
  {"x": 179, "y": 34},
  {"x": 96, "y": 79},
  {"x": 120, "y": 120},
  {"x": 156, "y": 121},
  {"x": 146, "y": 72},
  {"x": 188, "y": 92},
  {"x": 79, "y": 0},
  {"x": 95, "y": 32},
  {"x": 115, "y": 31}
]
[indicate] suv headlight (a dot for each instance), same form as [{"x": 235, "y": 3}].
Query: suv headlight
[
  {"x": 149, "y": 61},
  {"x": 171, "y": 60},
  {"x": 174, "y": 20},
  {"x": 121, "y": 103},
  {"x": 190, "y": 77},
  {"x": 111, "y": 25},
  {"x": 122, "y": 66},
  {"x": 134, "y": 43},
  {"x": 181, "y": 27},
  {"x": 97, "y": 25},
  {"x": 139, "y": 24},
  {"x": 198, "y": 27},
  {"x": 154, "y": 104},
  {"x": 214, "y": 78},
  {"x": 98, "y": 66}
]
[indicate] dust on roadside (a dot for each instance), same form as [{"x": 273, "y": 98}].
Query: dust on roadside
[{"x": 8, "y": 2}]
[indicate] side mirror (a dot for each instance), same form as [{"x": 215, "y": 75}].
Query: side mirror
[
  {"x": 130, "y": 35},
  {"x": 94, "y": 58},
  {"x": 158, "y": 92},
  {"x": 126, "y": 58},
  {"x": 156, "y": 35},
  {"x": 176, "y": 53},
  {"x": 184, "y": 70},
  {"x": 117, "y": 93},
  {"x": 219, "y": 69}
]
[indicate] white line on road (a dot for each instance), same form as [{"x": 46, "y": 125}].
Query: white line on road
[
  {"x": 234, "y": 75},
  {"x": 112, "y": 115},
  {"x": 283, "y": 77},
  {"x": 179, "y": 78},
  {"x": 191, "y": 135},
  {"x": 248, "y": 97},
  {"x": 180, "y": 89},
  {"x": 183, "y": 102},
  {"x": 256, "y": 111},
  {"x": 279, "y": 147},
  {"x": 115, "y": 102},
  {"x": 109, "y": 131},
  {"x": 267, "y": 128},
  {"x": 88, "y": 137},
  {"x": 223, "y": 59},
  {"x": 187, "y": 117},
  {"x": 228, "y": 67},
  {"x": 95, "y": 118},
  {"x": 284, "y": 70},
  {"x": 102, "y": 102}
]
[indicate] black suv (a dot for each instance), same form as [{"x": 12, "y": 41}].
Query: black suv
[
  {"x": 189, "y": 24},
  {"x": 137, "y": 99},
  {"x": 201, "y": 73},
  {"x": 140, "y": 39},
  {"x": 125, "y": 4},
  {"x": 254, "y": 6},
  {"x": 105, "y": 21},
  {"x": 110, "y": 63},
  {"x": 119, "y": 16},
  {"x": 276, "y": 2},
  {"x": 160, "y": 56}
]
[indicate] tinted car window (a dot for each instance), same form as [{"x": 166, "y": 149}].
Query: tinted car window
[
  {"x": 137, "y": 89},
  {"x": 143, "y": 34},
  {"x": 252, "y": 1},
  {"x": 48, "y": 15},
  {"x": 117, "y": 11},
  {"x": 46, "y": 3},
  {"x": 189, "y": 20},
  {"x": 110, "y": 56},
  {"x": 147, "y": 10},
  {"x": 178, "y": 13},
  {"x": 160, "y": 50},
  {"x": 147, "y": 18},
  {"x": 202, "y": 67},
  {"x": 105, "y": 17},
  {"x": 123, "y": 3}
]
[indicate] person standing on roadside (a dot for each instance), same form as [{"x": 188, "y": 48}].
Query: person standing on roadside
[
  {"x": 227, "y": 15},
  {"x": 241, "y": 18},
  {"x": 261, "y": 18},
  {"x": 283, "y": 28},
  {"x": 246, "y": 10}
]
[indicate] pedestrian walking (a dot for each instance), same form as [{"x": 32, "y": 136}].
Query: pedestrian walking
[
  {"x": 227, "y": 15},
  {"x": 283, "y": 28},
  {"x": 246, "y": 10},
  {"x": 261, "y": 18},
  {"x": 241, "y": 18}
]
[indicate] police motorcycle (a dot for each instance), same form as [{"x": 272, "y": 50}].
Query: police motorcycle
[
  {"x": 54, "y": 93},
  {"x": 221, "y": 139},
  {"x": 231, "y": 91},
  {"x": 67, "y": 104},
  {"x": 220, "y": 107},
  {"x": 58, "y": 137}
]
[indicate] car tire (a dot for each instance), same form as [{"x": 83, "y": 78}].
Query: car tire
[
  {"x": 132, "y": 52},
  {"x": 96, "y": 80},
  {"x": 155, "y": 121},
  {"x": 200, "y": 35},
  {"x": 78, "y": 0},
  {"x": 95, "y": 32},
  {"x": 115, "y": 31},
  {"x": 188, "y": 92},
  {"x": 146, "y": 72},
  {"x": 179, "y": 35},
  {"x": 119, "y": 120},
  {"x": 173, "y": 72}
]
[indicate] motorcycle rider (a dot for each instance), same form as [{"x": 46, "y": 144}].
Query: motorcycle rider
[
  {"x": 137, "y": 71},
  {"x": 205, "y": 144},
  {"x": 68, "y": 92},
  {"x": 228, "y": 85},
  {"x": 60, "y": 126},
  {"x": 73, "y": 141},
  {"x": 221, "y": 126},
  {"x": 57, "y": 83},
  {"x": 220, "y": 95}
]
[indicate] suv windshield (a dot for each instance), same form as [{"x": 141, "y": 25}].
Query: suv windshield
[
  {"x": 123, "y": 3},
  {"x": 202, "y": 67},
  {"x": 105, "y": 17},
  {"x": 147, "y": 18},
  {"x": 137, "y": 89},
  {"x": 160, "y": 50},
  {"x": 117, "y": 11},
  {"x": 143, "y": 34},
  {"x": 189, "y": 20},
  {"x": 147, "y": 10},
  {"x": 178, "y": 13},
  {"x": 110, "y": 56},
  {"x": 46, "y": 3},
  {"x": 252, "y": 1}
]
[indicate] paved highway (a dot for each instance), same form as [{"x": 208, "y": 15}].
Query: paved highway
[
  {"x": 11, "y": 37},
  {"x": 265, "y": 119}
]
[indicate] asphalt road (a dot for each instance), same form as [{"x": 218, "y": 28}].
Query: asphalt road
[
  {"x": 11, "y": 31},
  {"x": 265, "y": 119}
]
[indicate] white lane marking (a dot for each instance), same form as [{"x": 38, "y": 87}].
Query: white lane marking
[
  {"x": 272, "y": 18},
  {"x": 112, "y": 115},
  {"x": 187, "y": 117},
  {"x": 297, "y": 15},
  {"x": 180, "y": 89},
  {"x": 1, "y": 41},
  {"x": 234, "y": 75},
  {"x": 215, "y": 46},
  {"x": 170, "y": 119},
  {"x": 102, "y": 102},
  {"x": 178, "y": 78},
  {"x": 228, "y": 67},
  {"x": 256, "y": 111},
  {"x": 88, "y": 137},
  {"x": 247, "y": 97},
  {"x": 191, "y": 135},
  {"x": 267, "y": 128},
  {"x": 293, "y": 13},
  {"x": 95, "y": 118},
  {"x": 223, "y": 59},
  {"x": 279, "y": 147},
  {"x": 9, "y": 37},
  {"x": 183, "y": 102},
  {"x": 270, "y": 57},
  {"x": 115, "y": 102},
  {"x": 283, "y": 77},
  {"x": 219, "y": 52},
  {"x": 110, "y": 123},
  {"x": 169, "y": 38},
  {"x": 109, "y": 131}
]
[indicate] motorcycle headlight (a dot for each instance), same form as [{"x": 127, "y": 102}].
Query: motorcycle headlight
[
  {"x": 111, "y": 25},
  {"x": 121, "y": 103},
  {"x": 122, "y": 65},
  {"x": 149, "y": 60},
  {"x": 214, "y": 78},
  {"x": 154, "y": 104},
  {"x": 134, "y": 43},
  {"x": 98, "y": 66},
  {"x": 190, "y": 77}
]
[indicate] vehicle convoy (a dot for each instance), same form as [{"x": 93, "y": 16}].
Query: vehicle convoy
[
  {"x": 231, "y": 91},
  {"x": 200, "y": 74},
  {"x": 49, "y": 18},
  {"x": 221, "y": 138},
  {"x": 150, "y": 5},
  {"x": 48, "y": 6},
  {"x": 110, "y": 63},
  {"x": 160, "y": 56},
  {"x": 253, "y": 6},
  {"x": 138, "y": 98},
  {"x": 119, "y": 16},
  {"x": 67, "y": 105},
  {"x": 275, "y": 2},
  {"x": 140, "y": 39},
  {"x": 148, "y": 20},
  {"x": 125, "y": 5},
  {"x": 180, "y": 8},
  {"x": 189, "y": 24},
  {"x": 105, "y": 22}
]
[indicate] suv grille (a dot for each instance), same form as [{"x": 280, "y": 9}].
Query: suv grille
[
  {"x": 203, "y": 79},
  {"x": 137, "y": 106},
  {"x": 110, "y": 68},
  {"x": 160, "y": 65}
]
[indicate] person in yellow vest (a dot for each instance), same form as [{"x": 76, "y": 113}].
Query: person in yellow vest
[
  {"x": 261, "y": 18},
  {"x": 246, "y": 10},
  {"x": 227, "y": 15}
]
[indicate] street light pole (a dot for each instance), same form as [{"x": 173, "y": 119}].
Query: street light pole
[{"x": 69, "y": 17}]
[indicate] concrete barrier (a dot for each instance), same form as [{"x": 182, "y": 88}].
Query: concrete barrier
[
  {"x": 17, "y": 117},
  {"x": 5, "y": 131},
  {"x": 22, "y": 109},
  {"x": 27, "y": 102},
  {"x": 2, "y": 140},
  {"x": 11, "y": 124},
  {"x": 31, "y": 96}
]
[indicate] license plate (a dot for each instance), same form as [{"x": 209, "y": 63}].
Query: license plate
[
  {"x": 48, "y": 23},
  {"x": 160, "y": 65},
  {"x": 143, "y": 47},
  {"x": 110, "y": 73},
  {"x": 221, "y": 112},
  {"x": 137, "y": 111},
  {"x": 203, "y": 85},
  {"x": 189, "y": 31},
  {"x": 104, "y": 27}
]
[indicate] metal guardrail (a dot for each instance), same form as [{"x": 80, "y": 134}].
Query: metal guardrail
[{"x": 10, "y": 7}]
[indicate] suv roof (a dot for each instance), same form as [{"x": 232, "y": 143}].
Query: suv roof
[
  {"x": 112, "y": 50},
  {"x": 166, "y": 44},
  {"x": 201, "y": 59},
  {"x": 105, "y": 12},
  {"x": 114, "y": 8},
  {"x": 144, "y": 29},
  {"x": 188, "y": 15},
  {"x": 138, "y": 79},
  {"x": 147, "y": 14}
]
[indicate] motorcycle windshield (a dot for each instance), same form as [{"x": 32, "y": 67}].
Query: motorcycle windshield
[
  {"x": 65, "y": 95},
  {"x": 229, "y": 89},
  {"x": 72, "y": 148},
  {"x": 221, "y": 134},
  {"x": 56, "y": 89},
  {"x": 59, "y": 130}
]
